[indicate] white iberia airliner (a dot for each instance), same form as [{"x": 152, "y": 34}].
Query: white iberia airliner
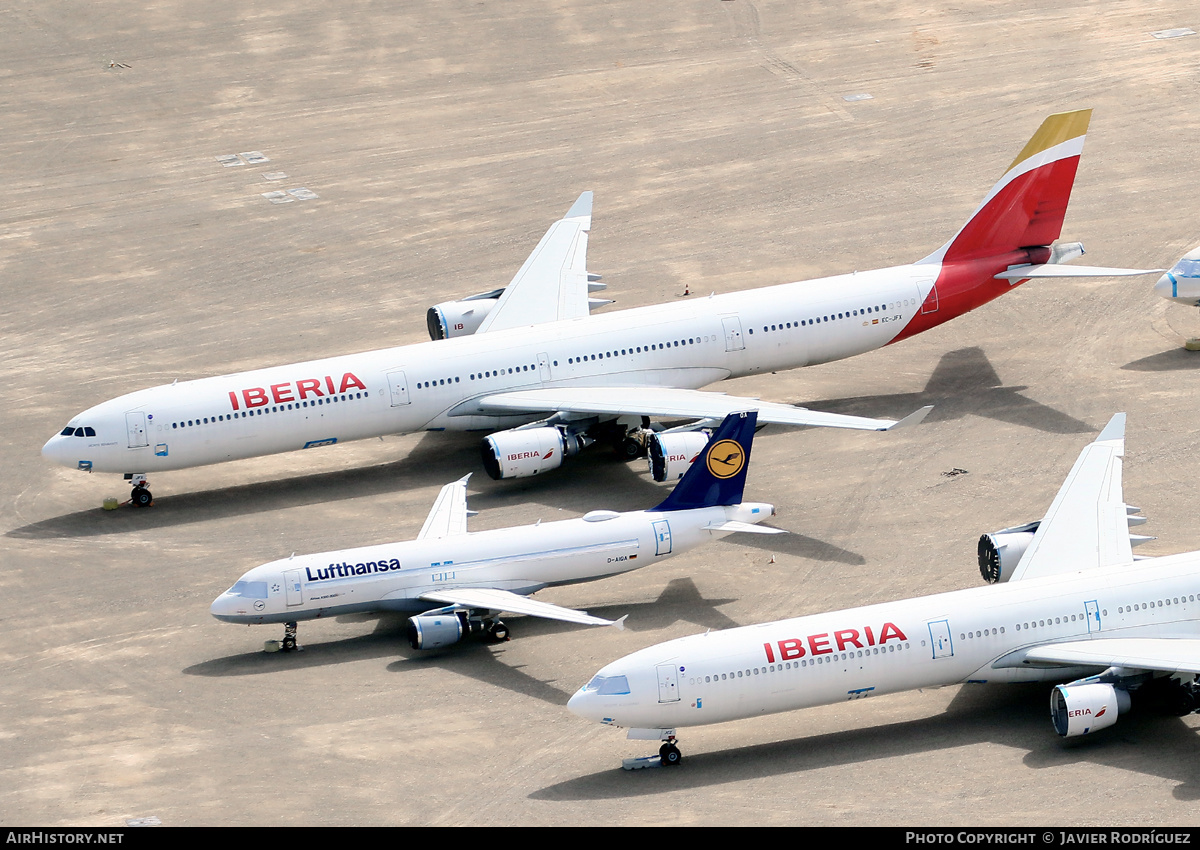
[
  {"x": 531, "y": 354},
  {"x": 1069, "y": 602},
  {"x": 463, "y": 581}
]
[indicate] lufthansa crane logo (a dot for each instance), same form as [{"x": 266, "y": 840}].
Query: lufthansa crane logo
[{"x": 725, "y": 459}]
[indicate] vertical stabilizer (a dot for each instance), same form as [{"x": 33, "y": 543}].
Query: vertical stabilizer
[
  {"x": 718, "y": 475},
  {"x": 1026, "y": 208}
]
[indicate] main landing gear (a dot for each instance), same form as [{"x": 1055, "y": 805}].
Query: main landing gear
[
  {"x": 140, "y": 496},
  {"x": 497, "y": 632}
]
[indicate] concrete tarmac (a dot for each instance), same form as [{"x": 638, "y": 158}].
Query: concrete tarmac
[{"x": 727, "y": 151}]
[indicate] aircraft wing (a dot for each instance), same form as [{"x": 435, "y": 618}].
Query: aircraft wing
[
  {"x": 503, "y": 600},
  {"x": 1087, "y": 523},
  {"x": 552, "y": 284},
  {"x": 448, "y": 516},
  {"x": 677, "y": 403},
  {"x": 1172, "y": 655}
]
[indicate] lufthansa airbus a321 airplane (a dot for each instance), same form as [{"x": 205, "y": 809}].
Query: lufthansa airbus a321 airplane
[
  {"x": 531, "y": 356},
  {"x": 473, "y": 578},
  {"x": 1072, "y": 603}
]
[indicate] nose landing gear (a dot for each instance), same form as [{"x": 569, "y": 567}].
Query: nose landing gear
[
  {"x": 668, "y": 753},
  {"x": 140, "y": 496}
]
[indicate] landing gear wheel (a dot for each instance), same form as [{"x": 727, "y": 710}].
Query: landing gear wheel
[
  {"x": 669, "y": 754},
  {"x": 289, "y": 638},
  {"x": 630, "y": 449},
  {"x": 498, "y": 632},
  {"x": 140, "y": 497}
]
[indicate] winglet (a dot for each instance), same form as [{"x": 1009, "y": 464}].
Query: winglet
[
  {"x": 582, "y": 208},
  {"x": 914, "y": 418},
  {"x": 448, "y": 516},
  {"x": 718, "y": 475},
  {"x": 1114, "y": 430},
  {"x": 620, "y": 624}
]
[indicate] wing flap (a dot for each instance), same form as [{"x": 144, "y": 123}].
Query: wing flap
[
  {"x": 552, "y": 284},
  {"x": 1086, "y": 526},
  {"x": 674, "y": 403},
  {"x": 503, "y": 600}
]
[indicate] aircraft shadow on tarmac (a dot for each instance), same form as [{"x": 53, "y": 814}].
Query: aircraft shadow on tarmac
[
  {"x": 963, "y": 382},
  {"x": 1014, "y": 716},
  {"x": 1165, "y": 361},
  {"x": 679, "y": 601},
  {"x": 436, "y": 460}
]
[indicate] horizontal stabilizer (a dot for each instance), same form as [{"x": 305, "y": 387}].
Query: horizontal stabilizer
[
  {"x": 1054, "y": 270},
  {"x": 734, "y": 525}
]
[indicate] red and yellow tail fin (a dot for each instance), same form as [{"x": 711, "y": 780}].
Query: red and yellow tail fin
[{"x": 1026, "y": 208}]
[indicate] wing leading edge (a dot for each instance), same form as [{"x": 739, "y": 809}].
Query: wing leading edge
[
  {"x": 1087, "y": 524},
  {"x": 1169, "y": 655},
  {"x": 677, "y": 403},
  {"x": 552, "y": 284},
  {"x": 503, "y": 600}
]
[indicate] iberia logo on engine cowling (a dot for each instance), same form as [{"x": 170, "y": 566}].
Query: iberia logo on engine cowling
[{"x": 725, "y": 459}]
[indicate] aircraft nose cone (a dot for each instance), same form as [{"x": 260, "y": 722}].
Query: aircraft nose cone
[
  {"x": 53, "y": 450},
  {"x": 1165, "y": 288},
  {"x": 576, "y": 704}
]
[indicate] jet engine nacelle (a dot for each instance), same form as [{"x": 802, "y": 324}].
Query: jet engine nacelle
[
  {"x": 433, "y": 631},
  {"x": 1001, "y": 551},
  {"x": 460, "y": 318},
  {"x": 1080, "y": 709},
  {"x": 672, "y": 454},
  {"x": 520, "y": 453}
]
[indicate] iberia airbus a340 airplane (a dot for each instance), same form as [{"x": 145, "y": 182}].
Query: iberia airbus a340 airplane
[
  {"x": 531, "y": 356},
  {"x": 1073, "y": 603}
]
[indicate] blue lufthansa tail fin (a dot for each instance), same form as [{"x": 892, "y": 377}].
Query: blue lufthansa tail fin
[{"x": 718, "y": 475}]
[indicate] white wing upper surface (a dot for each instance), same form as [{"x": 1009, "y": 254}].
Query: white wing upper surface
[
  {"x": 503, "y": 600},
  {"x": 552, "y": 284},
  {"x": 677, "y": 403},
  {"x": 1172, "y": 655},
  {"x": 1087, "y": 523},
  {"x": 448, "y": 516}
]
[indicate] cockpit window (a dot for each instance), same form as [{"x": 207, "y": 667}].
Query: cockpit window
[
  {"x": 1187, "y": 268},
  {"x": 89, "y": 431},
  {"x": 67, "y": 432},
  {"x": 608, "y": 685},
  {"x": 249, "y": 589}
]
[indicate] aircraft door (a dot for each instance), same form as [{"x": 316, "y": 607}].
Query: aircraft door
[
  {"x": 544, "y": 367},
  {"x": 398, "y": 383},
  {"x": 939, "y": 636},
  {"x": 733, "y": 333},
  {"x": 662, "y": 537},
  {"x": 293, "y": 587},
  {"x": 135, "y": 423},
  {"x": 1093, "y": 615},
  {"x": 931, "y": 300},
  {"x": 668, "y": 683}
]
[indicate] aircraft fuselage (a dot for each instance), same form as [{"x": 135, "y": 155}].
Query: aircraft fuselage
[
  {"x": 688, "y": 343},
  {"x": 972, "y": 635},
  {"x": 521, "y": 560}
]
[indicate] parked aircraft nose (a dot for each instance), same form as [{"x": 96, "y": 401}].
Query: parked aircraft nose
[
  {"x": 1165, "y": 287},
  {"x": 55, "y": 450}
]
